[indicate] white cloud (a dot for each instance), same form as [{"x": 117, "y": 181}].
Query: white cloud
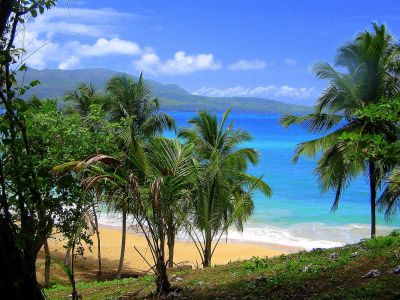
[
  {"x": 290, "y": 61},
  {"x": 245, "y": 65},
  {"x": 65, "y": 37},
  {"x": 104, "y": 47},
  {"x": 68, "y": 63},
  {"x": 181, "y": 63},
  {"x": 270, "y": 91},
  {"x": 77, "y": 21}
]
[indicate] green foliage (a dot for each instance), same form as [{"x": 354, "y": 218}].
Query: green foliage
[
  {"x": 364, "y": 72},
  {"x": 255, "y": 264},
  {"x": 223, "y": 189},
  {"x": 304, "y": 275}
]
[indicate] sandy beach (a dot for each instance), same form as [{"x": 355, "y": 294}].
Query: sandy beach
[{"x": 185, "y": 254}]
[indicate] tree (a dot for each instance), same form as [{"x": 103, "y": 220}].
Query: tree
[
  {"x": 371, "y": 71},
  {"x": 86, "y": 102},
  {"x": 381, "y": 145},
  {"x": 131, "y": 104},
  {"x": 81, "y": 99},
  {"x": 19, "y": 241},
  {"x": 223, "y": 190},
  {"x": 145, "y": 201},
  {"x": 174, "y": 165}
]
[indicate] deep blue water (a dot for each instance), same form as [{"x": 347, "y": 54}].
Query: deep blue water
[{"x": 297, "y": 204}]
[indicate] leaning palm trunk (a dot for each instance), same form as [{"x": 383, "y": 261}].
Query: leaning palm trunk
[
  {"x": 123, "y": 241},
  {"x": 96, "y": 225}
]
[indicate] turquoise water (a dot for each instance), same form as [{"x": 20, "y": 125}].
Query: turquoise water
[{"x": 297, "y": 213}]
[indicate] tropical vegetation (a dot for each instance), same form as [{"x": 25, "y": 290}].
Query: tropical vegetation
[
  {"x": 366, "y": 71},
  {"x": 105, "y": 150}
]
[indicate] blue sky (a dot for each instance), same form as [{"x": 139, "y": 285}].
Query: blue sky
[{"x": 215, "y": 47}]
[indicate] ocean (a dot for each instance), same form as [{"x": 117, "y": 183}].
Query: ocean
[{"x": 298, "y": 213}]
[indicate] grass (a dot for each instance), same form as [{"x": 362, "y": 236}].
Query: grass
[{"x": 318, "y": 274}]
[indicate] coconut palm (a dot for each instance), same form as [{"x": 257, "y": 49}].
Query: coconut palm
[
  {"x": 390, "y": 198},
  {"x": 367, "y": 69},
  {"x": 81, "y": 99},
  {"x": 223, "y": 189},
  {"x": 174, "y": 163},
  {"x": 167, "y": 177},
  {"x": 130, "y": 103}
]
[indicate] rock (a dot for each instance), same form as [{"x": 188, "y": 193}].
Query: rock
[
  {"x": 333, "y": 255},
  {"x": 372, "y": 274},
  {"x": 396, "y": 270},
  {"x": 261, "y": 279}
]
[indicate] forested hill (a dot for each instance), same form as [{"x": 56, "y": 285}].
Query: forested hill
[{"x": 54, "y": 84}]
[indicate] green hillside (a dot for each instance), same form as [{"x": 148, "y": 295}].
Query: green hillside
[
  {"x": 367, "y": 270},
  {"x": 54, "y": 84}
]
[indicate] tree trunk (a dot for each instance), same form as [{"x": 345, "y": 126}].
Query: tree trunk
[
  {"x": 162, "y": 282},
  {"x": 207, "y": 251},
  {"x": 67, "y": 257},
  {"x": 5, "y": 11},
  {"x": 17, "y": 268},
  {"x": 171, "y": 246},
  {"x": 46, "y": 265},
  {"x": 123, "y": 241},
  {"x": 73, "y": 282},
  {"x": 372, "y": 186},
  {"x": 96, "y": 224}
]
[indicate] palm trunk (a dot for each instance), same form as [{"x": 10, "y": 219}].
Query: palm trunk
[
  {"x": 171, "y": 245},
  {"x": 67, "y": 257},
  {"x": 162, "y": 282},
  {"x": 372, "y": 186},
  {"x": 207, "y": 250},
  {"x": 73, "y": 282},
  {"x": 123, "y": 241},
  {"x": 46, "y": 265},
  {"x": 96, "y": 224}
]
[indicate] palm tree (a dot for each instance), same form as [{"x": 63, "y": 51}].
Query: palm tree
[
  {"x": 223, "y": 188},
  {"x": 370, "y": 65},
  {"x": 390, "y": 198},
  {"x": 81, "y": 99},
  {"x": 131, "y": 104},
  {"x": 174, "y": 163},
  {"x": 168, "y": 175}
]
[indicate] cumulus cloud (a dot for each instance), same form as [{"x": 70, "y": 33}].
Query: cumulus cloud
[
  {"x": 65, "y": 37},
  {"x": 269, "y": 91},
  {"x": 246, "y": 65},
  {"x": 105, "y": 46},
  {"x": 181, "y": 63},
  {"x": 69, "y": 63},
  {"x": 290, "y": 61}
]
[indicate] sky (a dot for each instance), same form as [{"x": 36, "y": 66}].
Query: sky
[{"x": 260, "y": 48}]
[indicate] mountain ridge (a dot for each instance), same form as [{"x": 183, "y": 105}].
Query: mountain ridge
[{"x": 55, "y": 83}]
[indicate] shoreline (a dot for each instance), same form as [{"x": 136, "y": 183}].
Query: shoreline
[
  {"x": 185, "y": 254},
  {"x": 285, "y": 249}
]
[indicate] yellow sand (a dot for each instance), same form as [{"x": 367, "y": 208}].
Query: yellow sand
[{"x": 185, "y": 252}]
